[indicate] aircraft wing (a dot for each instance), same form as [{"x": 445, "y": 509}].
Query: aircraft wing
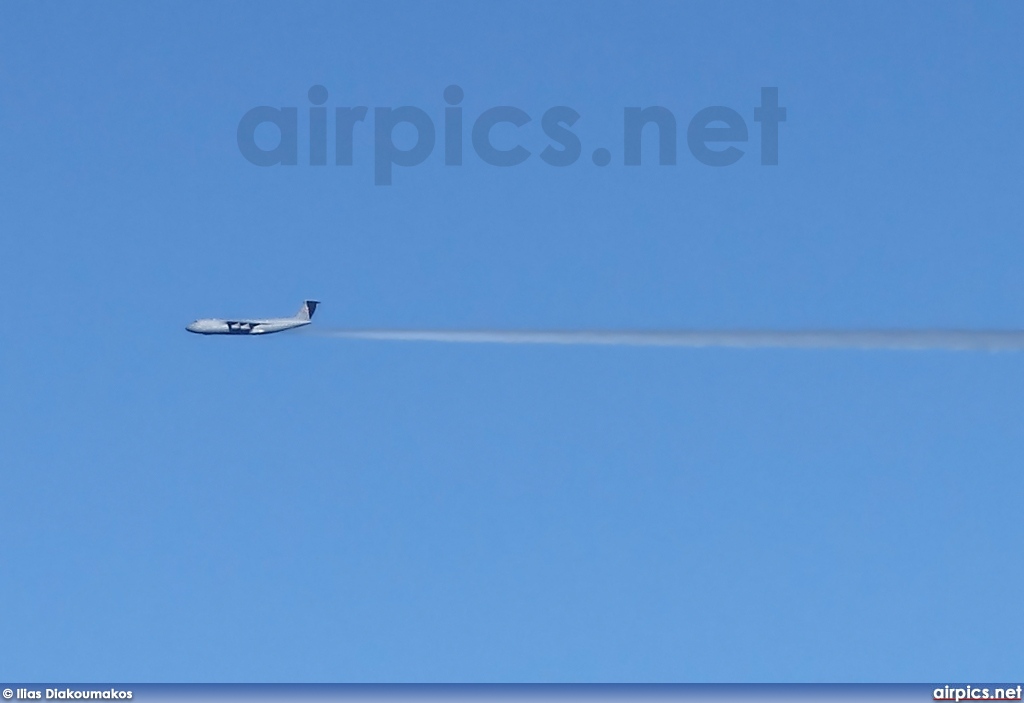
[{"x": 242, "y": 326}]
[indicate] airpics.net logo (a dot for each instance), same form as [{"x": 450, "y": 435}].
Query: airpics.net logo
[
  {"x": 977, "y": 693},
  {"x": 715, "y": 135}
]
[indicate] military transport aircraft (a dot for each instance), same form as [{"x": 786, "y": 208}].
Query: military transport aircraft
[{"x": 273, "y": 324}]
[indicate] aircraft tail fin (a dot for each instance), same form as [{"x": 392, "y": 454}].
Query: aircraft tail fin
[{"x": 307, "y": 310}]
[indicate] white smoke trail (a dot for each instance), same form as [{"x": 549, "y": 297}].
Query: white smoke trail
[{"x": 953, "y": 340}]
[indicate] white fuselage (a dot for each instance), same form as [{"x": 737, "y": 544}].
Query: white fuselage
[{"x": 273, "y": 324}]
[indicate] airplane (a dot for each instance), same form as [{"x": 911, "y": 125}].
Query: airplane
[{"x": 274, "y": 324}]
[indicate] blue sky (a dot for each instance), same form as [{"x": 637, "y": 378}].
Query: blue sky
[{"x": 293, "y": 508}]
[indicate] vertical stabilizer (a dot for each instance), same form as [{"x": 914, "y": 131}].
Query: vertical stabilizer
[{"x": 307, "y": 310}]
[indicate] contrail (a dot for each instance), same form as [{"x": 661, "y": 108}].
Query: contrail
[{"x": 952, "y": 340}]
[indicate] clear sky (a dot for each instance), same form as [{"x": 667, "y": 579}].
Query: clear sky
[{"x": 295, "y": 508}]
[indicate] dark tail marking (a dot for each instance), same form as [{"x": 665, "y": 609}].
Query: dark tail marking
[{"x": 307, "y": 310}]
